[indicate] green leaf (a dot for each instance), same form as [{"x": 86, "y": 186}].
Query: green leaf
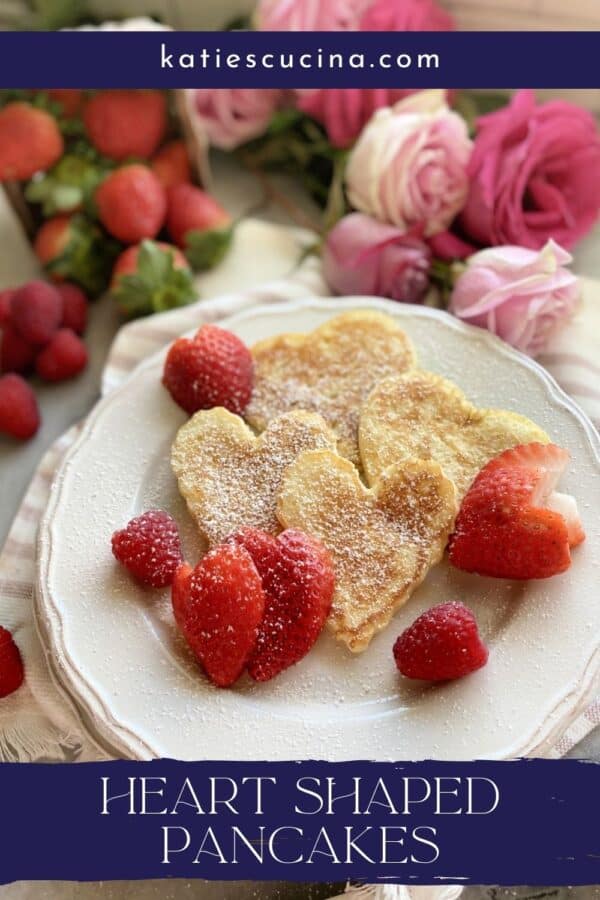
[
  {"x": 204, "y": 249},
  {"x": 157, "y": 285},
  {"x": 71, "y": 184},
  {"x": 88, "y": 258}
]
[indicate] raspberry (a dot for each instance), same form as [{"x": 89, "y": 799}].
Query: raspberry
[
  {"x": 75, "y": 307},
  {"x": 222, "y": 611},
  {"x": 64, "y": 357},
  {"x": 19, "y": 415},
  {"x": 150, "y": 548},
  {"x": 441, "y": 644},
  {"x": 36, "y": 312},
  {"x": 11, "y": 664},
  {"x": 298, "y": 581},
  {"x": 132, "y": 203},
  {"x": 16, "y": 355},
  {"x": 213, "y": 369},
  {"x": 6, "y": 305}
]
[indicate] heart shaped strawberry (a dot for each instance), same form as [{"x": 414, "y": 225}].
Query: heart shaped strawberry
[
  {"x": 219, "y": 607},
  {"x": 298, "y": 581},
  {"x": 512, "y": 523}
]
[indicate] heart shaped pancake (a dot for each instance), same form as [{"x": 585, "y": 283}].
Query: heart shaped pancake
[
  {"x": 419, "y": 415},
  {"x": 329, "y": 371},
  {"x": 382, "y": 540},
  {"x": 229, "y": 477}
]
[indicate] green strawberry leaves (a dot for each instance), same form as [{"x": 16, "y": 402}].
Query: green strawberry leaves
[
  {"x": 88, "y": 257},
  {"x": 70, "y": 185},
  {"x": 156, "y": 285},
  {"x": 205, "y": 249}
]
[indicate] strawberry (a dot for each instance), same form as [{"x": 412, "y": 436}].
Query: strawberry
[
  {"x": 171, "y": 165},
  {"x": 222, "y": 612},
  {"x": 152, "y": 277},
  {"x": 198, "y": 224},
  {"x": 30, "y": 141},
  {"x": 298, "y": 581},
  {"x": 69, "y": 186},
  {"x": 68, "y": 99},
  {"x": 63, "y": 357},
  {"x": 71, "y": 248},
  {"x": 509, "y": 524},
  {"x": 5, "y": 305},
  {"x": 150, "y": 548},
  {"x": 11, "y": 664},
  {"x": 132, "y": 203},
  {"x": 19, "y": 415},
  {"x": 75, "y": 307},
  {"x": 122, "y": 123},
  {"x": 212, "y": 369},
  {"x": 441, "y": 644},
  {"x": 36, "y": 312},
  {"x": 180, "y": 590},
  {"x": 16, "y": 354}
]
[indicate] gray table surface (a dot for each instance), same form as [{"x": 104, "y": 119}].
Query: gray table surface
[{"x": 64, "y": 404}]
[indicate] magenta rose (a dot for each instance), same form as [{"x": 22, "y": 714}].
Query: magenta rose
[
  {"x": 308, "y": 15},
  {"x": 364, "y": 256},
  {"x": 522, "y": 295},
  {"x": 533, "y": 174},
  {"x": 231, "y": 116},
  {"x": 410, "y": 15},
  {"x": 344, "y": 112}
]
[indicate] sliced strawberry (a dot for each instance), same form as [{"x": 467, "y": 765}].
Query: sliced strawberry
[
  {"x": 219, "y": 608},
  {"x": 511, "y": 522},
  {"x": 180, "y": 590},
  {"x": 298, "y": 580}
]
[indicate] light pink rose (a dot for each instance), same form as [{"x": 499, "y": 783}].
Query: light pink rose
[
  {"x": 308, "y": 15},
  {"x": 409, "y": 166},
  {"x": 231, "y": 116},
  {"x": 409, "y": 15},
  {"x": 522, "y": 295},
  {"x": 534, "y": 174},
  {"x": 364, "y": 256}
]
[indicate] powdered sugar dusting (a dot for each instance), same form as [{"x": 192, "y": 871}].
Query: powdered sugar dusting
[
  {"x": 382, "y": 541},
  {"x": 329, "y": 371},
  {"x": 230, "y": 478}
]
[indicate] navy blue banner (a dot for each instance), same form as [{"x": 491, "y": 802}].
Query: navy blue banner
[
  {"x": 300, "y": 60},
  {"x": 522, "y": 822}
]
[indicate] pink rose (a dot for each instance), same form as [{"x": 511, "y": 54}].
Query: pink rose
[
  {"x": 344, "y": 112},
  {"x": 534, "y": 174},
  {"x": 522, "y": 295},
  {"x": 449, "y": 246},
  {"x": 231, "y": 116},
  {"x": 364, "y": 256},
  {"x": 308, "y": 15},
  {"x": 410, "y": 15},
  {"x": 409, "y": 166}
]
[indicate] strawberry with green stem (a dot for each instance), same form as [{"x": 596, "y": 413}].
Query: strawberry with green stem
[
  {"x": 152, "y": 277},
  {"x": 72, "y": 248}
]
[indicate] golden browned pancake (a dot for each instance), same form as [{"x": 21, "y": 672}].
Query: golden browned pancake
[
  {"x": 420, "y": 415},
  {"x": 383, "y": 540},
  {"x": 230, "y": 478},
  {"x": 329, "y": 371}
]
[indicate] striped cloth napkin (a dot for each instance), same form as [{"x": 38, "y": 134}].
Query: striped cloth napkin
[{"x": 38, "y": 721}]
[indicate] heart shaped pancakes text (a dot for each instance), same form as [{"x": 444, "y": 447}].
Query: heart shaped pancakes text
[{"x": 382, "y": 540}]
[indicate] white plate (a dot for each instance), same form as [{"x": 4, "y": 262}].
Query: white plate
[{"x": 116, "y": 650}]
